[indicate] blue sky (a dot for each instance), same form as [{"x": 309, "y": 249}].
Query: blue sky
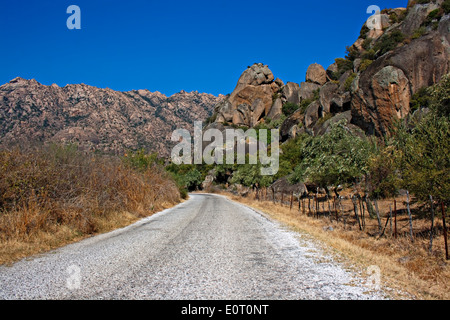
[{"x": 169, "y": 46}]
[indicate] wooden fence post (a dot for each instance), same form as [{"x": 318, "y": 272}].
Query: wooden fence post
[
  {"x": 355, "y": 208},
  {"x": 292, "y": 199},
  {"x": 445, "y": 230},
  {"x": 309, "y": 206},
  {"x": 361, "y": 207},
  {"x": 329, "y": 208},
  {"x": 378, "y": 214},
  {"x": 335, "y": 208},
  {"x": 390, "y": 219},
  {"x": 317, "y": 202},
  {"x": 314, "y": 206},
  {"x": 342, "y": 212},
  {"x": 395, "y": 219},
  {"x": 409, "y": 216},
  {"x": 432, "y": 224},
  {"x": 382, "y": 233}
]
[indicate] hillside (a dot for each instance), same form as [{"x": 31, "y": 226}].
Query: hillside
[
  {"x": 97, "y": 119},
  {"x": 374, "y": 118},
  {"x": 371, "y": 87}
]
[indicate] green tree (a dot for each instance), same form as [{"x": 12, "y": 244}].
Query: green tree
[
  {"x": 425, "y": 161},
  {"x": 337, "y": 157},
  {"x": 249, "y": 175},
  {"x": 440, "y": 97}
]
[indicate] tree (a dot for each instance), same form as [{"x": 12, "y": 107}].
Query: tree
[
  {"x": 425, "y": 161},
  {"x": 416, "y": 156},
  {"x": 249, "y": 175},
  {"x": 337, "y": 157}
]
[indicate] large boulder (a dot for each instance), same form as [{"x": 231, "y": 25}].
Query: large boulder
[
  {"x": 291, "y": 92},
  {"x": 252, "y": 99},
  {"x": 258, "y": 98},
  {"x": 327, "y": 93},
  {"x": 332, "y": 70},
  {"x": 292, "y": 125},
  {"x": 224, "y": 111},
  {"x": 316, "y": 74},
  {"x": 255, "y": 75},
  {"x": 277, "y": 110},
  {"x": 381, "y": 93},
  {"x": 389, "y": 100},
  {"x": 324, "y": 127},
  {"x": 307, "y": 89},
  {"x": 312, "y": 114}
]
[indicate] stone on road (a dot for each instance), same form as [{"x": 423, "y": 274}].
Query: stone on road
[{"x": 208, "y": 247}]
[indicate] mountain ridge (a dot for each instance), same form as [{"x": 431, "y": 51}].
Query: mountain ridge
[{"x": 98, "y": 119}]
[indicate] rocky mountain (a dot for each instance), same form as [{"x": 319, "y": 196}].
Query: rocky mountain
[
  {"x": 371, "y": 87},
  {"x": 98, "y": 119}
]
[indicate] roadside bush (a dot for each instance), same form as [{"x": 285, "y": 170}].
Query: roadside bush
[{"x": 48, "y": 188}]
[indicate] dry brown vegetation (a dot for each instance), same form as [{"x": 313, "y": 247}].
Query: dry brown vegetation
[
  {"x": 405, "y": 265},
  {"x": 54, "y": 195}
]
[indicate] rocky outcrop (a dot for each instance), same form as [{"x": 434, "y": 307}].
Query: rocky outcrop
[
  {"x": 292, "y": 126},
  {"x": 416, "y": 16},
  {"x": 306, "y": 90},
  {"x": 100, "y": 119},
  {"x": 316, "y": 74},
  {"x": 382, "y": 92},
  {"x": 312, "y": 114},
  {"x": 291, "y": 93},
  {"x": 252, "y": 99},
  {"x": 389, "y": 100}
]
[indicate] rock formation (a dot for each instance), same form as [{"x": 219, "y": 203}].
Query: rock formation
[
  {"x": 251, "y": 100},
  {"x": 372, "y": 86}
]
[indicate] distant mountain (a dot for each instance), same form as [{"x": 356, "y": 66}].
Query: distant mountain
[{"x": 97, "y": 119}]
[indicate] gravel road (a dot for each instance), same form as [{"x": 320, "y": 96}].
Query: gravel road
[{"x": 205, "y": 248}]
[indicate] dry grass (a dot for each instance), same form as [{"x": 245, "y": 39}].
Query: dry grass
[
  {"x": 52, "y": 196},
  {"x": 405, "y": 265}
]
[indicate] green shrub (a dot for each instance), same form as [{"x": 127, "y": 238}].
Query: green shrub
[
  {"x": 343, "y": 66},
  {"x": 349, "y": 81},
  {"x": 367, "y": 43},
  {"x": 352, "y": 53},
  {"x": 446, "y": 6},
  {"x": 325, "y": 118},
  {"x": 433, "y": 15},
  {"x": 388, "y": 42},
  {"x": 421, "y": 99},
  {"x": 364, "y": 31},
  {"x": 419, "y": 32},
  {"x": 289, "y": 108},
  {"x": 368, "y": 55},
  {"x": 365, "y": 64}
]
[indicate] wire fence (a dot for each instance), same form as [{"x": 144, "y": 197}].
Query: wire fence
[{"x": 402, "y": 217}]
